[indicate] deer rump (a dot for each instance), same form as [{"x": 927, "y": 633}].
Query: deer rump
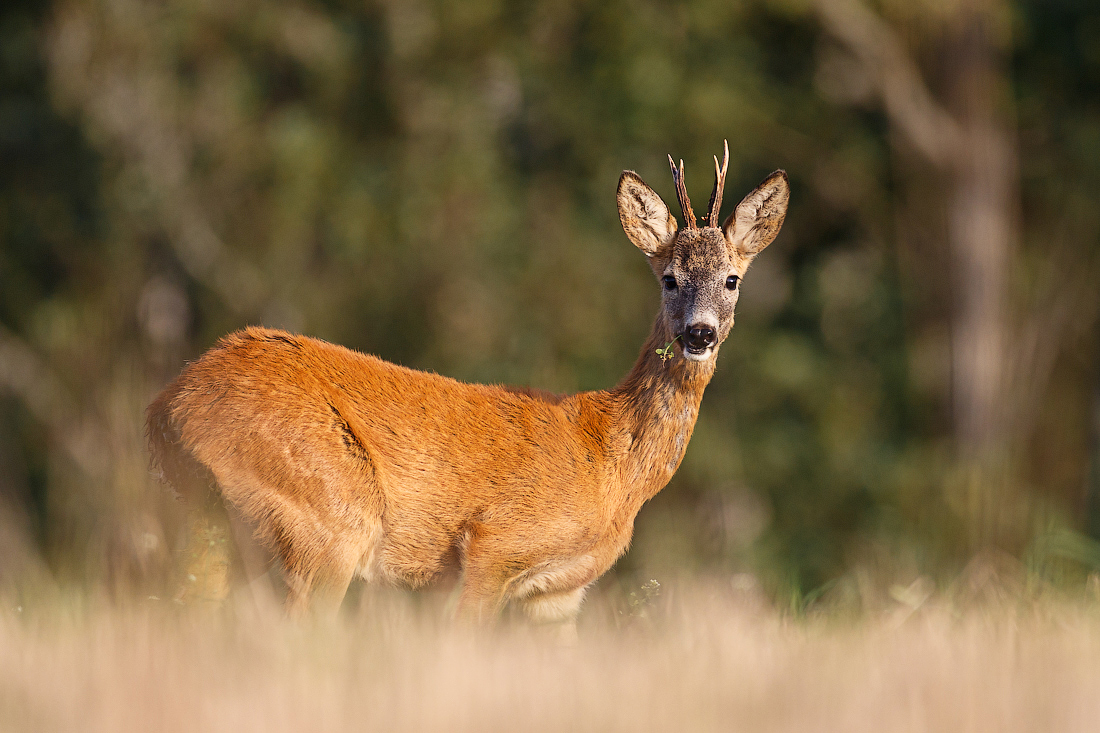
[{"x": 349, "y": 465}]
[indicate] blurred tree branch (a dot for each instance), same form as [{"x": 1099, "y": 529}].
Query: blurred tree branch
[
  {"x": 905, "y": 96},
  {"x": 129, "y": 99},
  {"x": 38, "y": 387}
]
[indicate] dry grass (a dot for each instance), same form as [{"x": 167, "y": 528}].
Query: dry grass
[{"x": 714, "y": 662}]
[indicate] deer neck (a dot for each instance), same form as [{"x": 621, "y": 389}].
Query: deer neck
[{"x": 658, "y": 406}]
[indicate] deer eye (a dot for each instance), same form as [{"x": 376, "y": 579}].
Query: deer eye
[
  {"x": 731, "y": 282},
  {"x": 669, "y": 282}
]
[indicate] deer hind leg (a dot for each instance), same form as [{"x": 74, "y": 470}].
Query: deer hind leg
[
  {"x": 320, "y": 564},
  {"x": 320, "y": 589},
  {"x": 318, "y": 551},
  {"x": 258, "y": 590},
  {"x": 323, "y": 519}
]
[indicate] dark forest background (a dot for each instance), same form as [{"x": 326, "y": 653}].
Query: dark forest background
[{"x": 914, "y": 378}]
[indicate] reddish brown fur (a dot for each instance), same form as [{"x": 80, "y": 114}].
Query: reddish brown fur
[{"x": 349, "y": 465}]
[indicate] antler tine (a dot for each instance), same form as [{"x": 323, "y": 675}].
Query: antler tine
[
  {"x": 682, "y": 194},
  {"x": 719, "y": 185}
]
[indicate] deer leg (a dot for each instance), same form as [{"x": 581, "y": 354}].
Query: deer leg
[
  {"x": 317, "y": 569},
  {"x": 319, "y": 592},
  {"x": 255, "y": 562},
  {"x": 482, "y": 595},
  {"x": 328, "y": 594},
  {"x": 299, "y": 593},
  {"x": 556, "y": 611},
  {"x": 484, "y": 579}
]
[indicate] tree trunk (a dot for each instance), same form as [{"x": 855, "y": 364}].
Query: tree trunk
[
  {"x": 982, "y": 235},
  {"x": 966, "y": 136}
]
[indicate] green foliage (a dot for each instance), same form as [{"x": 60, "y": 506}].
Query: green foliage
[{"x": 666, "y": 351}]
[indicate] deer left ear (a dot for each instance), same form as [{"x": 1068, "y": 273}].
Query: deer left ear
[
  {"x": 756, "y": 221},
  {"x": 645, "y": 217}
]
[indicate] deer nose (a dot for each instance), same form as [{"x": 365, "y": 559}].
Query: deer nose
[{"x": 700, "y": 337}]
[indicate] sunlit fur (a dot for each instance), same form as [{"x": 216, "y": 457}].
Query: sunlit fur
[{"x": 348, "y": 465}]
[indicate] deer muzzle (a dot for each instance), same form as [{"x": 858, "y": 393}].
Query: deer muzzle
[{"x": 698, "y": 338}]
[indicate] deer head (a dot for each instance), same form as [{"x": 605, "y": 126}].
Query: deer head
[{"x": 700, "y": 267}]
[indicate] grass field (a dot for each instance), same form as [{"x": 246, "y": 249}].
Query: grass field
[{"x": 708, "y": 658}]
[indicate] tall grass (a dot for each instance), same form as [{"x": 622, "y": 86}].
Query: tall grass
[{"x": 707, "y": 657}]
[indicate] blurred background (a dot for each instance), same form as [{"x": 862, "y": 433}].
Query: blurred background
[{"x": 914, "y": 378}]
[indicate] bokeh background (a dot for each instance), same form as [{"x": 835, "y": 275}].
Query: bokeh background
[{"x": 914, "y": 378}]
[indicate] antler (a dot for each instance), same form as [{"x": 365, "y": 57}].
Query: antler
[
  {"x": 682, "y": 194},
  {"x": 719, "y": 185},
  {"x": 715, "y": 206}
]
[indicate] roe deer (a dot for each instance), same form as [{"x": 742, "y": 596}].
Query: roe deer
[{"x": 348, "y": 465}]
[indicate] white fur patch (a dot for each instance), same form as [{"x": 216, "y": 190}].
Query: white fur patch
[
  {"x": 555, "y": 607},
  {"x": 556, "y": 576},
  {"x": 704, "y": 356}
]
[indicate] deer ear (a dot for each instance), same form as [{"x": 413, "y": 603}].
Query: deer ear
[
  {"x": 754, "y": 223},
  {"x": 647, "y": 221}
]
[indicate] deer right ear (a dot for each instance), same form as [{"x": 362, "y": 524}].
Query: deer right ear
[
  {"x": 646, "y": 220},
  {"x": 756, "y": 221}
]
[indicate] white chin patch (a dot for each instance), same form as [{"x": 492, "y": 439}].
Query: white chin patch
[{"x": 701, "y": 356}]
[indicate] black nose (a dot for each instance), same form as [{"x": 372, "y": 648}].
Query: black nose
[{"x": 700, "y": 337}]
